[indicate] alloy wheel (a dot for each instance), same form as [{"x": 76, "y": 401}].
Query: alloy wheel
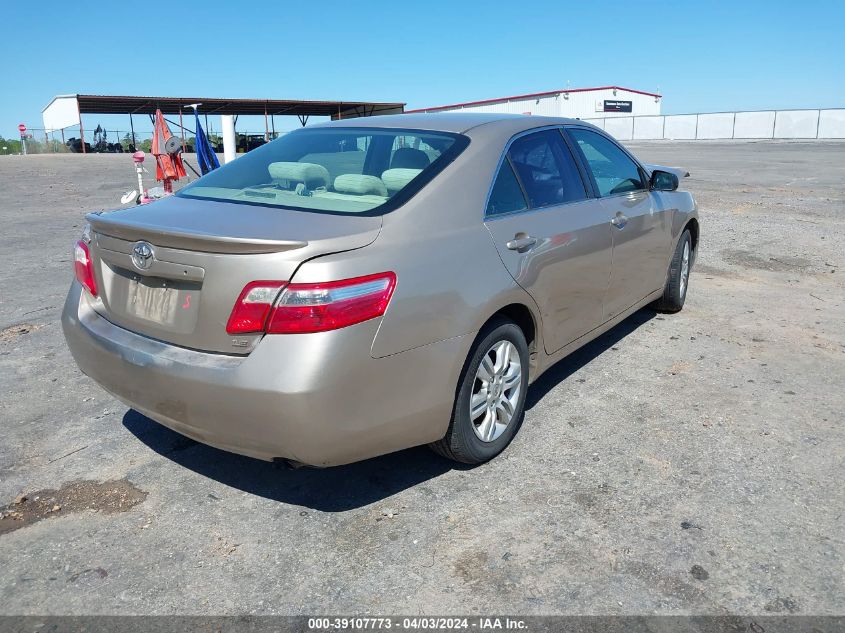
[
  {"x": 496, "y": 390},
  {"x": 684, "y": 269}
]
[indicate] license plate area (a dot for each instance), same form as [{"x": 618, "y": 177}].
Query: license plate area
[{"x": 170, "y": 304}]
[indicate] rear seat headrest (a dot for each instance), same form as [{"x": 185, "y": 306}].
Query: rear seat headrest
[
  {"x": 395, "y": 179},
  {"x": 409, "y": 158},
  {"x": 312, "y": 174},
  {"x": 360, "y": 184}
]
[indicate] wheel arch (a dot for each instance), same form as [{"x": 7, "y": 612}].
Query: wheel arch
[
  {"x": 522, "y": 315},
  {"x": 527, "y": 320},
  {"x": 693, "y": 227}
]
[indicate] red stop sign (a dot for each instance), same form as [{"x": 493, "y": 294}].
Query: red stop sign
[{"x": 22, "y": 128}]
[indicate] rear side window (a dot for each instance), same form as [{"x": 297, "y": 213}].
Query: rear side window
[
  {"x": 506, "y": 196},
  {"x": 613, "y": 170},
  {"x": 546, "y": 169}
]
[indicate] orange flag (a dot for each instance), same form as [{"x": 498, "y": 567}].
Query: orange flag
[{"x": 167, "y": 166}]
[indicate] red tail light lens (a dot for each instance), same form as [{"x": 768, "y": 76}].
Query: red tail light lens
[
  {"x": 304, "y": 308},
  {"x": 83, "y": 267},
  {"x": 252, "y": 307}
]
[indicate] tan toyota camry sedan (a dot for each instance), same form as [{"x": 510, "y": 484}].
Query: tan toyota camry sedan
[{"x": 367, "y": 285}]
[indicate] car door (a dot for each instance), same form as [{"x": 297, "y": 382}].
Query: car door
[
  {"x": 641, "y": 228},
  {"x": 551, "y": 233}
]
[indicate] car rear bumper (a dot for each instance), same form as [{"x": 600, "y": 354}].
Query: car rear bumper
[{"x": 319, "y": 399}]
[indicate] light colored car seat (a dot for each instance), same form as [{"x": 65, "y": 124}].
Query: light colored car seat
[
  {"x": 311, "y": 175},
  {"x": 395, "y": 179},
  {"x": 409, "y": 158},
  {"x": 360, "y": 184}
]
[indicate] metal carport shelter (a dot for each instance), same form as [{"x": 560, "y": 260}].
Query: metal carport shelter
[{"x": 66, "y": 110}]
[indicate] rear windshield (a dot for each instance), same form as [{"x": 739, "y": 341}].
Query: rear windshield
[{"x": 333, "y": 170}]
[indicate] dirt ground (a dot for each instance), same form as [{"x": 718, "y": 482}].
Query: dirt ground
[{"x": 679, "y": 464}]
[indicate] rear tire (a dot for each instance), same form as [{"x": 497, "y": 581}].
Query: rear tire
[
  {"x": 479, "y": 434},
  {"x": 677, "y": 282}
]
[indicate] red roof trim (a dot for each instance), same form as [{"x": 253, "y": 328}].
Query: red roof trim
[{"x": 531, "y": 95}]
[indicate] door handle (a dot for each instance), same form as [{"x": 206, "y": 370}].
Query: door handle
[
  {"x": 521, "y": 242},
  {"x": 620, "y": 220}
]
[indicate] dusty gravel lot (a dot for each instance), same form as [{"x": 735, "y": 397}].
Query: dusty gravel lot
[{"x": 680, "y": 464}]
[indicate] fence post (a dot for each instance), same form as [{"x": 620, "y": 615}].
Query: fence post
[
  {"x": 81, "y": 129},
  {"x": 818, "y": 122},
  {"x": 733, "y": 127},
  {"x": 774, "y": 124},
  {"x": 695, "y": 138},
  {"x": 230, "y": 150}
]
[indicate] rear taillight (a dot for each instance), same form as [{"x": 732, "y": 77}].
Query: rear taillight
[
  {"x": 305, "y": 308},
  {"x": 83, "y": 267},
  {"x": 331, "y": 305},
  {"x": 253, "y": 306}
]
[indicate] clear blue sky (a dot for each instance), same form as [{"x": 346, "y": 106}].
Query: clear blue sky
[{"x": 702, "y": 56}]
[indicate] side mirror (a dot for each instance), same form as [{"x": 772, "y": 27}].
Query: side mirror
[{"x": 663, "y": 181}]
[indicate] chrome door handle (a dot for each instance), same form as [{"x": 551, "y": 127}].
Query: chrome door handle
[
  {"x": 521, "y": 243},
  {"x": 620, "y": 220}
]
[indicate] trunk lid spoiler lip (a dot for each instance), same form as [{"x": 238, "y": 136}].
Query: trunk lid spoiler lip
[{"x": 187, "y": 240}]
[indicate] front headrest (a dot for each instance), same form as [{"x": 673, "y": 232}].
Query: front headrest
[
  {"x": 360, "y": 184},
  {"x": 395, "y": 179},
  {"x": 409, "y": 158},
  {"x": 312, "y": 174}
]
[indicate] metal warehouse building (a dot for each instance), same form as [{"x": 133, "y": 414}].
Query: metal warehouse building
[{"x": 577, "y": 103}]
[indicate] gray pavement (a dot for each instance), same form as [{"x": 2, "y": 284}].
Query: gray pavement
[{"x": 680, "y": 464}]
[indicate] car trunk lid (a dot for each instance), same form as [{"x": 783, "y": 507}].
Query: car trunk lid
[{"x": 173, "y": 269}]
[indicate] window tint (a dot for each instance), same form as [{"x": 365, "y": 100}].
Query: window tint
[
  {"x": 546, "y": 169},
  {"x": 612, "y": 168},
  {"x": 506, "y": 196}
]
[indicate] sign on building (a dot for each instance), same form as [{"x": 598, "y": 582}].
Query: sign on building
[{"x": 617, "y": 106}]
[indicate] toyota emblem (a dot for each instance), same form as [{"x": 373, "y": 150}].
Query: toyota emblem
[{"x": 142, "y": 255}]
